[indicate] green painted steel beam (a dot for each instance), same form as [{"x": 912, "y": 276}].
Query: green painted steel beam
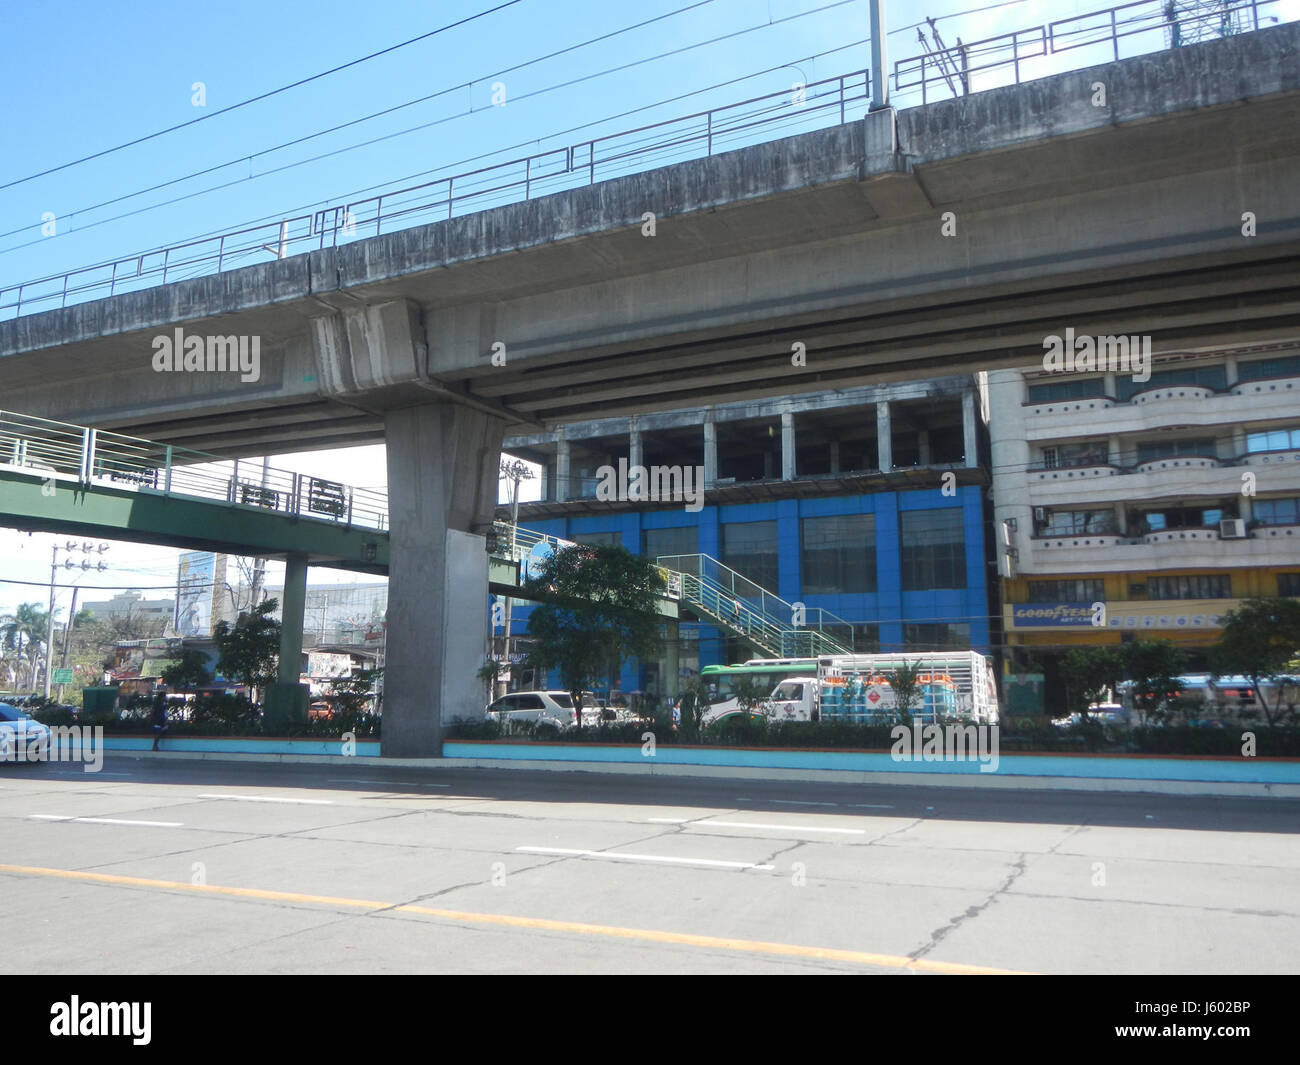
[{"x": 149, "y": 517}]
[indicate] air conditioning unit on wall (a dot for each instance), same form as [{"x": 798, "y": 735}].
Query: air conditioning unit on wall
[{"x": 1232, "y": 529}]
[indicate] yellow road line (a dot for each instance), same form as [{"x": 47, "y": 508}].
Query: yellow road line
[{"x": 750, "y": 946}]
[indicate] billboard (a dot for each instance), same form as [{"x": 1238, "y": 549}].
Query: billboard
[{"x": 195, "y": 587}]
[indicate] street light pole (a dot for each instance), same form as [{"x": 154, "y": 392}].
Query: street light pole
[{"x": 517, "y": 472}]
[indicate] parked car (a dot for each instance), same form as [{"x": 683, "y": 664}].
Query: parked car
[
  {"x": 551, "y": 708},
  {"x": 22, "y": 738}
]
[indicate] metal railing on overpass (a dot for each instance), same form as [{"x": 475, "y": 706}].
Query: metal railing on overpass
[
  {"x": 1023, "y": 55},
  {"x": 1135, "y": 28},
  {"x": 60, "y": 451},
  {"x": 703, "y": 133}
]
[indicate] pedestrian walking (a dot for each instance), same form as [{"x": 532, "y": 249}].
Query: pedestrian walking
[{"x": 159, "y": 716}]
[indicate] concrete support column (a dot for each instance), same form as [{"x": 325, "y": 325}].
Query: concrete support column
[
  {"x": 1114, "y": 450},
  {"x": 710, "y": 452},
  {"x": 969, "y": 429},
  {"x": 286, "y": 701},
  {"x": 1238, "y": 441},
  {"x": 634, "y": 447},
  {"x": 543, "y": 482},
  {"x": 787, "y": 446},
  {"x": 442, "y": 486},
  {"x": 923, "y": 447},
  {"x": 884, "y": 438},
  {"x": 561, "y": 470},
  {"x": 672, "y": 660},
  {"x": 1230, "y": 371},
  {"x": 835, "y": 456}
]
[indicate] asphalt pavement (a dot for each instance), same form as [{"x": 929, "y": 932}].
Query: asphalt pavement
[{"x": 153, "y": 866}]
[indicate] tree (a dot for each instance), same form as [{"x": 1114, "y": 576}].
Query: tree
[
  {"x": 189, "y": 671},
  {"x": 598, "y": 606},
  {"x": 249, "y": 651},
  {"x": 488, "y": 673},
  {"x": 1090, "y": 673},
  {"x": 905, "y": 680},
  {"x": 1152, "y": 667},
  {"x": 22, "y": 636},
  {"x": 1258, "y": 641}
]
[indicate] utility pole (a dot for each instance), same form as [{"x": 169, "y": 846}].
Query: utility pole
[{"x": 86, "y": 565}]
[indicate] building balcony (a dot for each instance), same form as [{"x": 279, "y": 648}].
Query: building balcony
[
  {"x": 1181, "y": 476},
  {"x": 1269, "y": 387},
  {"x": 1166, "y": 393},
  {"x": 1271, "y": 458},
  {"x": 1189, "y": 406},
  {"x": 1090, "y": 554}
]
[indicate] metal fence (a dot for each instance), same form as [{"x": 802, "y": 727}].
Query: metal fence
[
  {"x": 60, "y": 451},
  {"x": 1113, "y": 33}
]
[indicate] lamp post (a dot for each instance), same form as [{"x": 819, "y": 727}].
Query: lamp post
[{"x": 517, "y": 471}]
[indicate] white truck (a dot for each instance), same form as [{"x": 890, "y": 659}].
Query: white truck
[{"x": 858, "y": 688}]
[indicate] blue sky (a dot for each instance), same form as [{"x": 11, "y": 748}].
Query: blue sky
[{"x": 78, "y": 77}]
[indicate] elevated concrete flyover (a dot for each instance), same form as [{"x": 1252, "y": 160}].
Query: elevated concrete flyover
[{"x": 1124, "y": 218}]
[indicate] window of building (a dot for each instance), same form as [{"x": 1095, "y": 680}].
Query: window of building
[
  {"x": 1166, "y": 449},
  {"x": 608, "y": 539},
  {"x": 1288, "y": 584},
  {"x": 1286, "y": 366},
  {"x": 750, "y": 549},
  {"x": 1079, "y": 523},
  {"x": 838, "y": 554},
  {"x": 1215, "y": 377},
  {"x": 1181, "y": 518},
  {"x": 1196, "y": 586},
  {"x": 1073, "y": 388},
  {"x": 1068, "y": 591},
  {"x": 866, "y": 639},
  {"x": 936, "y": 636},
  {"x": 932, "y": 550},
  {"x": 1277, "y": 511},
  {"x": 1273, "y": 440},
  {"x": 656, "y": 543},
  {"x": 1087, "y": 453}
]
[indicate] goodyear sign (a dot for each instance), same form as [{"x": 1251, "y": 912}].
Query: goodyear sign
[{"x": 1050, "y": 615}]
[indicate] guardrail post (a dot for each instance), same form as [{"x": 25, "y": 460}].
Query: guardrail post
[
  {"x": 233, "y": 496},
  {"x": 348, "y": 520},
  {"x": 65, "y": 290},
  {"x": 450, "y": 182},
  {"x": 167, "y": 471},
  {"x": 221, "y": 252},
  {"x": 112, "y": 280},
  {"x": 708, "y": 125},
  {"x": 19, "y": 308},
  {"x": 528, "y": 176}
]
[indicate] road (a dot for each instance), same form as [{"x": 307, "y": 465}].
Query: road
[{"x": 156, "y": 866}]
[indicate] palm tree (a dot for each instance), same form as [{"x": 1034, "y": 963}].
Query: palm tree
[{"x": 22, "y": 635}]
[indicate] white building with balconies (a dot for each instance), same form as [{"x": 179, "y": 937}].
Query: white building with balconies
[{"x": 1167, "y": 500}]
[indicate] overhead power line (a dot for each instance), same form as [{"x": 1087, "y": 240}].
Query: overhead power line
[
  {"x": 425, "y": 125},
  {"x": 261, "y": 96},
  {"x": 358, "y": 121}
]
